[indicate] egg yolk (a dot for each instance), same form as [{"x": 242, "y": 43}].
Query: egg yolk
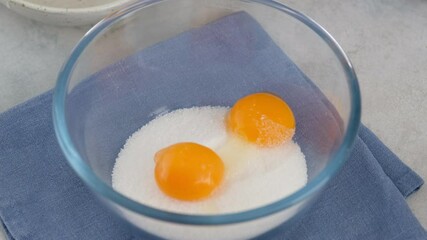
[
  {"x": 263, "y": 119},
  {"x": 188, "y": 171}
]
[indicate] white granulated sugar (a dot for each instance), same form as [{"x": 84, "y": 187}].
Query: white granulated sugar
[{"x": 254, "y": 176}]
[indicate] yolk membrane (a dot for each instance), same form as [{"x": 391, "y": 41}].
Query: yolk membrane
[
  {"x": 263, "y": 119},
  {"x": 188, "y": 171}
]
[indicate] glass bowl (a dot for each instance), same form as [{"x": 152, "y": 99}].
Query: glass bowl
[{"x": 95, "y": 110}]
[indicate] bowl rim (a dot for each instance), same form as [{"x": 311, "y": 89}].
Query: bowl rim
[
  {"x": 68, "y": 10},
  {"x": 97, "y": 185}
]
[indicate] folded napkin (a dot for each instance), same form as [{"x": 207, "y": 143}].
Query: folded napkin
[{"x": 42, "y": 198}]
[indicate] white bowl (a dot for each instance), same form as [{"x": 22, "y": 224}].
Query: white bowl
[{"x": 65, "y": 12}]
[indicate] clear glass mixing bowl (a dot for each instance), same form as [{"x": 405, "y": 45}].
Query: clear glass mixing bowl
[{"x": 84, "y": 125}]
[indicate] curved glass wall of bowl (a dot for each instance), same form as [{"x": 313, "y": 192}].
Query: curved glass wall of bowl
[{"x": 93, "y": 127}]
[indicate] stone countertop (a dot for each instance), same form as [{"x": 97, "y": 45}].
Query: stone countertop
[{"x": 386, "y": 41}]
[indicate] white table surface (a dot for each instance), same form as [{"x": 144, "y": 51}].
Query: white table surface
[{"x": 386, "y": 41}]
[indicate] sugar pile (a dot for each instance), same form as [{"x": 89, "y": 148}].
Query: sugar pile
[{"x": 253, "y": 177}]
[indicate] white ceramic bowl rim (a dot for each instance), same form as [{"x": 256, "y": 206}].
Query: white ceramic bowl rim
[{"x": 83, "y": 10}]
